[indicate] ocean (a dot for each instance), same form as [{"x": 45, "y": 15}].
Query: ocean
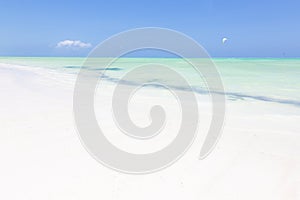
[{"x": 273, "y": 80}]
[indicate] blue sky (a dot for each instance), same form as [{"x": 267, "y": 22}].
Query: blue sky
[{"x": 257, "y": 28}]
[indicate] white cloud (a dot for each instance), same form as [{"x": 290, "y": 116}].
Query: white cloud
[{"x": 73, "y": 43}]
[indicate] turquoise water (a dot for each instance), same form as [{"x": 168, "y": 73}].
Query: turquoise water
[{"x": 272, "y": 80}]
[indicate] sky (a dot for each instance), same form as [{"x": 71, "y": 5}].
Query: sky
[{"x": 256, "y": 28}]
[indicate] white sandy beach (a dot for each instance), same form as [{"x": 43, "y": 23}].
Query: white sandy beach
[{"x": 257, "y": 157}]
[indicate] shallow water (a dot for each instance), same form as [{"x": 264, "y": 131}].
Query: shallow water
[{"x": 269, "y": 80}]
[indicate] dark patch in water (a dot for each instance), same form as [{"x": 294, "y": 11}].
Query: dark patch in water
[
  {"x": 75, "y": 67},
  {"x": 232, "y": 96},
  {"x": 94, "y": 69},
  {"x": 108, "y": 69}
]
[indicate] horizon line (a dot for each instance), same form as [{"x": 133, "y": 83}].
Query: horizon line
[{"x": 213, "y": 57}]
